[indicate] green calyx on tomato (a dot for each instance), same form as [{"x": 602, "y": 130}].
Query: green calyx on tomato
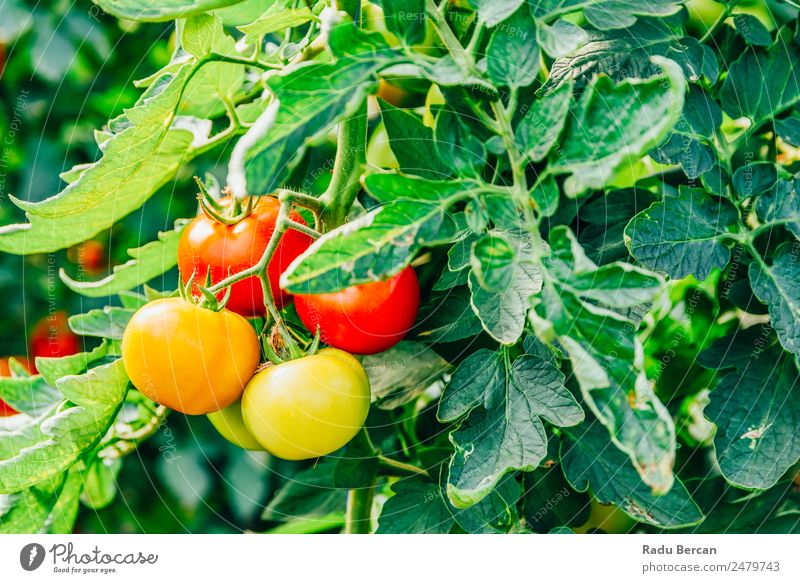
[
  {"x": 212, "y": 250},
  {"x": 230, "y": 425},
  {"x": 308, "y": 407},
  {"x": 363, "y": 319},
  {"x": 189, "y": 358}
]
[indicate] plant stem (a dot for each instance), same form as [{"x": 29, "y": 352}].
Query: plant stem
[
  {"x": 397, "y": 467},
  {"x": 459, "y": 53},
  {"x": 350, "y": 158},
  {"x": 358, "y": 514}
]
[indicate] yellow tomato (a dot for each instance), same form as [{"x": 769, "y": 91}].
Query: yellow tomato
[
  {"x": 308, "y": 407},
  {"x": 189, "y": 358}
]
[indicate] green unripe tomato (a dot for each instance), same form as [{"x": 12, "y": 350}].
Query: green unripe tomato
[
  {"x": 308, "y": 407},
  {"x": 230, "y": 425}
]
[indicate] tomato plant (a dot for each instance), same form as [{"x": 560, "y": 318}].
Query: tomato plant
[{"x": 543, "y": 255}]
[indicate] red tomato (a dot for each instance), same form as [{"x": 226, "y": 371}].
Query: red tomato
[
  {"x": 5, "y": 371},
  {"x": 363, "y": 319},
  {"x": 90, "y": 255},
  {"x": 52, "y": 337},
  {"x": 227, "y": 249}
]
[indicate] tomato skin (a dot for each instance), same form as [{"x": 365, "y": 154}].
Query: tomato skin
[
  {"x": 606, "y": 517},
  {"x": 230, "y": 425},
  {"x": 7, "y": 410},
  {"x": 51, "y": 337},
  {"x": 189, "y": 358},
  {"x": 229, "y": 249},
  {"x": 309, "y": 407},
  {"x": 363, "y": 319}
]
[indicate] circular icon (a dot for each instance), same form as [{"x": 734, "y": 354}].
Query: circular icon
[{"x": 31, "y": 556}]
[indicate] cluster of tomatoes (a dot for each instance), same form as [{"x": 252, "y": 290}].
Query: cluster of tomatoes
[
  {"x": 198, "y": 361},
  {"x": 51, "y": 337}
]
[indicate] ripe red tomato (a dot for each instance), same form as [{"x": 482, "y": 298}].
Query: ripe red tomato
[
  {"x": 7, "y": 410},
  {"x": 228, "y": 249},
  {"x": 52, "y": 337},
  {"x": 363, "y": 319},
  {"x": 90, "y": 255}
]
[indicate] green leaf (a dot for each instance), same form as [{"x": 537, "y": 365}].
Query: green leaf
[
  {"x": 308, "y": 494},
  {"x": 49, "y": 507},
  {"x": 457, "y": 146},
  {"x": 503, "y": 431},
  {"x": 627, "y": 52},
  {"x": 752, "y": 30},
  {"x": 614, "y": 124},
  {"x": 53, "y": 369},
  {"x": 278, "y": 17},
  {"x": 512, "y": 55},
  {"x": 47, "y": 446},
  {"x": 449, "y": 317},
  {"x": 108, "y": 322},
  {"x": 496, "y": 513},
  {"x": 545, "y": 195},
  {"x": 147, "y": 262},
  {"x": 781, "y": 206},
  {"x": 513, "y": 278},
  {"x": 595, "y": 312},
  {"x": 562, "y": 38},
  {"x": 788, "y": 129},
  {"x": 684, "y": 234},
  {"x": 538, "y": 130},
  {"x": 606, "y": 14},
  {"x": 603, "y": 221},
  {"x": 380, "y": 243},
  {"x": 761, "y": 84},
  {"x": 406, "y": 19},
  {"x": 100, "y": 483},
  {"x": 160, "y": 11},
  {"x": 550, "y": 502},
  {"x": 15, "y": 20},
  {"x": 754, "y": 178},
  {"x": 492, "y": 12},
  {"x": 29, "y": 394},
  {"x": 756, "y": 407},
  {"x": 411, "y": 143},
  {"x": 417, "y": 507},
  {"x": 144, "y": 152},
  {"x": 778, "y": 286},
  {"x": 691, "y": 142},
  {"x": 589, "y": 462},
  {"x": 399, "y": 375}
]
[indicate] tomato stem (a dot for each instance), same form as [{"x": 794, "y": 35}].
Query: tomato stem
[
  {"x": 398, "y": 468},
  {"x": 350, "y": 158},
  {"x": 358, "y": 514}
]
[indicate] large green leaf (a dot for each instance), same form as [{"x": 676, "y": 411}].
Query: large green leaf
[
  {"x": 512, "y": 55},
  {"x": 417, "y": 507},
  {"x": 142, "y": 150},
  {"x": 501, "y": 287},
  {"x": 538, "y": 130},
  {"x": 591, "y": 462},
  {"x": 160, "y": 11},
  {"x": 756, "y": 407},
  {"x": 382, "y": 242},
  {"x": 684, "y": 234},
  {"x": 48, "y": 507},
  {"x": 762, "y": 83},
  {"x": 616, "y": 123},
  {"x": 781, "y": 206},
  {"x": 412, "y": 143},
  {"x": 44, "y": 447},
  {"x": 778, "y": 286},
  {"x": 606, "y": 14},
  {"x": 147, "y": 262},
  {"x": 595, "y": 312},
  {"x": 503, "y": 431}
]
